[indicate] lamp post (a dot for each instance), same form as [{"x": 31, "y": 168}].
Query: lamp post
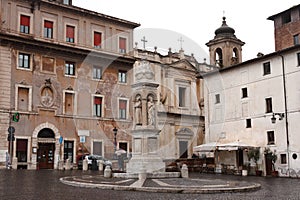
[
  {"x": 115, "y": 131},
  {"x": 273, "y": 118}
]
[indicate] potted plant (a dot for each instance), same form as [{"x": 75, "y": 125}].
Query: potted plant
[
  {"x": 254, "y": 154},
  {"x": 273, "y": 157}
]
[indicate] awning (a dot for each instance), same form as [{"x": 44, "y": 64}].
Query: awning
[
  {"x": 208, "y": 147},
  {"x": 231, "y": 146}
]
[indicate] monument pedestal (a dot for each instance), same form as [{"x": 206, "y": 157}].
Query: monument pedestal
[{"x": 145, "y": 156}]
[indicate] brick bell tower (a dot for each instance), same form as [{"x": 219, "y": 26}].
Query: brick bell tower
[{"x": 225, "y": 49}]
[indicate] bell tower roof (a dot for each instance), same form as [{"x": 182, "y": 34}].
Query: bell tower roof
[{"x": 225, "y": 30}]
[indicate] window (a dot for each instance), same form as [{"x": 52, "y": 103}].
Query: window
[
  {"x": 48, "y": 29},
  {"x": 283, "y": 159},
  {"x": 70, "y": 68},
  {"x": 286, "y": 18},
  {"x": 123, "y": 109},
  {"x": 181, "y": 94},
  {"x": 244, "y": 92},
  {"x": 68, "y": 150},
  {"x": 298, "y": 58},
  {"x": 23, "y": 97},
  {"x": 217, "y": 98},
  {"x": 22, "y": 150},
  {"x": 24, "y": 61},
  {"x": 296, "y": 39},
  {"x": 97, "y": 72},
  {"x": 25, "y": 24},
  {"x": 67, "y": 2},
  {"x": 69, "y": 104},
  {"x": 271, "y": 137},
  {"x": 97, "y": 40},
  {"x": 122, "y": 76},
  {"x": 97, "y": 148},
  {"x": 122, "y": 45},
  {"x": 70, "y": 34},
  {"x": 269, "y": 108},
  {"x": 248, "y": 123},
  {"x": 98, "y": 106},
  {"x": 267, "y": 68},
  {"x": 48, "y": 64}
]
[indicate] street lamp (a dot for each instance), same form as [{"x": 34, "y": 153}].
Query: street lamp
[
  {"x": 115, "y": 131},
  {"x": 273, "y": 118}
]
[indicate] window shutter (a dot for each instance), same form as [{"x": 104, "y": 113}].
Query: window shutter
[
  {"x": 123, "y": 104},
  {"x": 122, "y": 43},
  {"x": 97, "y": 39},
  {"x": 70, "y": 31},
  {"x": 48, "y": 24},
  {"x": 97, "y": 100},
  {"x": 25, "y": 20}
]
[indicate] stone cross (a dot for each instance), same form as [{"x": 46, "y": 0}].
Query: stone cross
[
  {"x": 181, "y": 41},
  {"x": 144, "y": 42}
]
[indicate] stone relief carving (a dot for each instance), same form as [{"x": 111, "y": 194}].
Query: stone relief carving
[
  {"x": 144, "y": 71},
  {"x": 151, "y": 112},
  {"x": 138, "y": 110},
  {"x": 47, "y": 94}
]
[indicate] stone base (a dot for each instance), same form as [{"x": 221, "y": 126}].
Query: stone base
[
  {"x": 148, "y": 164},
  {"x": 148, "y": 175}
]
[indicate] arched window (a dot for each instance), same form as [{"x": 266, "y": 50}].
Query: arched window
[
  {"x": 46, "y": 133},
  {"x": 235, "y": 53},
  {"x": 219, "y": 57}
]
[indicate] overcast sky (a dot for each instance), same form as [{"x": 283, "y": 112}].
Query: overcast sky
[{"x": 163, "y": 22}]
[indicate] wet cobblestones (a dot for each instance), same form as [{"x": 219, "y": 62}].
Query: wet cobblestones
[{"x": 25, "y": 184}]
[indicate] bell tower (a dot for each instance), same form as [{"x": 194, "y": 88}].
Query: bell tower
[{"x": 225, "y": 49}]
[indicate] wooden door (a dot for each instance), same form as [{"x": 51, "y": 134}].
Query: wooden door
[{"x": 45, "y": 157}]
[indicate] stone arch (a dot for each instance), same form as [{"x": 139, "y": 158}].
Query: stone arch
[
  {"x": 45, "y": 125},
  {"x": 219, "y": 57}
]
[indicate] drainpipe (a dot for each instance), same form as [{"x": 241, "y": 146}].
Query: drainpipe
[{"x": 286, "y": 113}]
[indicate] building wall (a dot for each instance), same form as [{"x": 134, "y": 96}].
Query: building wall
[
  {"x": 226, "y": 121},
  {"x": 27, "y": 91}
]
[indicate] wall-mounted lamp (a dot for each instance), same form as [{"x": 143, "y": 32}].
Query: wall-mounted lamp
[{"x": 280, "y": 117}]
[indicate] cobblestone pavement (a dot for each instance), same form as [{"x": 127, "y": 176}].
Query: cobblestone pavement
[{"x": 45, "y": 184}]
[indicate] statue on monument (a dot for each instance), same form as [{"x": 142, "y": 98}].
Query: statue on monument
[
  {"x": 150, "y": 105},
  {"x": 138, "y": 110}
]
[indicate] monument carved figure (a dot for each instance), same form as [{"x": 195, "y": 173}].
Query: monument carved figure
[
  {"x": 138, "y": 110},
  {"x": 151, "y": 115}
]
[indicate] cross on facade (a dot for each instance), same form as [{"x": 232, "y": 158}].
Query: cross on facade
[
  {"x": 144, "y": 42},
  {"x": 181, "y": 41}
]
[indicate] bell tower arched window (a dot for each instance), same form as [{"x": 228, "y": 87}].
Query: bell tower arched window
[{"x": 219, "y": 57}]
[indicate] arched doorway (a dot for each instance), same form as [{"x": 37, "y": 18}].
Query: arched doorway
[{"x": 46, "y": 149}]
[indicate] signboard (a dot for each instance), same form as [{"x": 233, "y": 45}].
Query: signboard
[
  {"x": 82, "y": 139},
  {"x": 61, "y": 139}
]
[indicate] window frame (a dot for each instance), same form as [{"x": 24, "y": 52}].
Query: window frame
[
  {"x": 298, "y": 59},
  {"x": 101, "y": 39},
  {"x": 269, "y": 104},
  {"x": 74, "y": 101},
  {"x": 69, "y": 151},
  {"x": 122, "y": 74},
  {"x": 46, "y": 29},
  {"x": 266, "y": 68},
  {"x": 95, "y": 76},
  {"x": 244, "y": 92},
  {"x": 270, "y": 136},
  {"x": 17, "y": 86},
  {"x": 248, "y": 123},
  {"x": 182, "y": 96},
  {"x": 121, "y": 50},
  {"x": 94, "y": 108},
  {"x": 68, "y": 68},
  {"x": 69, "y": 39},
  {"x": 120, "y": 111},
  {"x": 29, "y": 61},
  {"x": 28, "y": 30},
  {"x": 217, "y": 98},
  {"x": 283, "y": 158}
]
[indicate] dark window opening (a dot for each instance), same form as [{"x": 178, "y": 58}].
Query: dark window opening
[
  {"x": 269, "y": 106},
  {"x": 182, "y": 96},
  {"x": 283, "y": 159},
  {"x": 68, "y": 150},
  {"x": 244, "y": 92},
  {"x": 267, "y": 68},
  {"x": 248, "y": 123},
  {"x": 286, "y": 18},
  {"x": 271, "y": 137},
  {"x": 217, "y": 98}
]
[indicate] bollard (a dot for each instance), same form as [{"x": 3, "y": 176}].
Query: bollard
[
  {"x": 143, "y": 174},
  {"x": 60, "y": 165},
  {"x": 107, "y": 172},
  {"x": 100, "y": 167},
  {"x": 14, "y": 163},
  {"x": 84, "y": 165},
  {"x": 68, "y": 164},
  {"x": 184, "y": 171}
]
